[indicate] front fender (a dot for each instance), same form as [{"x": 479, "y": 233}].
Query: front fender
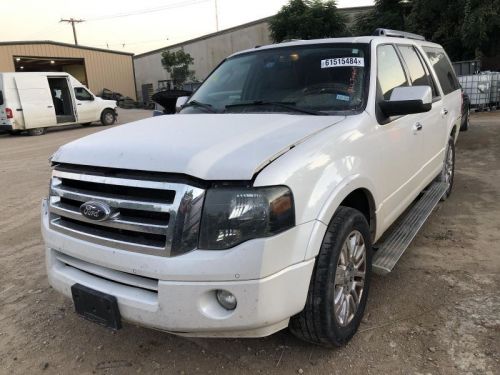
[
  {"x": 330, "y": 206},
  {"x": 341, "y": 191}
]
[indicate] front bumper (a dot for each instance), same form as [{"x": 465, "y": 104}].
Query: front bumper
[{"x": 184, "y": 301}]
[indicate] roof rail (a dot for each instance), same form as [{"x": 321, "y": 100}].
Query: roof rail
[{"x": 397, "y": 34}]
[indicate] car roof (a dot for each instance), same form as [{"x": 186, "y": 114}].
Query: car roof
[{"x": 358, "y": 39}]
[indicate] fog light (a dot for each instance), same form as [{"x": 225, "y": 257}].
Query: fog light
[{"x": 226, "y": 299}]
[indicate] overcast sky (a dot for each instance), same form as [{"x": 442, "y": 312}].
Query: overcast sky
[{"x": 132, "y": 26}]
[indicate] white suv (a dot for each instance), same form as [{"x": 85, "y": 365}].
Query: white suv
[{"x": 260, "y": 205}]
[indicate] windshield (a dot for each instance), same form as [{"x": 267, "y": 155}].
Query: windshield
[{"x": 312, "y": 79}]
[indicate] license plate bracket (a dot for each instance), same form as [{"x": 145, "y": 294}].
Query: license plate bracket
[{"x": 98, "y": 307}]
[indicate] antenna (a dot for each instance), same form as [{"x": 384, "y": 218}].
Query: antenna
[
  {"x": 216, "y": 16},
  {"x": 72, "y": 21}
]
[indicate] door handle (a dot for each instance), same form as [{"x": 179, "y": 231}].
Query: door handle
[
  {"x": 79, "y": 104},
  {"x": 418, "y": 126},
  {"x": 444, "y": 112},
  {"x": 50, "y": 106}
]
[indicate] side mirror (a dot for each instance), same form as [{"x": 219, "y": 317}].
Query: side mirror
[
  {"x": 1, "y": 97},
  {"x": 407, "y": 100},
  {"x": 181, "y": 100}
]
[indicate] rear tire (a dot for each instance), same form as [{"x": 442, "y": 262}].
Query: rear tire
[
  {"x": 341, "y": 277},
  {"x": 465, "y": 124},
  {"x": 108, "y": 117},
  {"x": 448, "y": 172},
  {"x": 37, "y": 131}
]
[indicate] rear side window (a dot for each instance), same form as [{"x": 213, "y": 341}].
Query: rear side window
[
  {"x": 419, "y": 74},
  {"x": 390, "y": 73},
  {"x": 443, "y": 69}
]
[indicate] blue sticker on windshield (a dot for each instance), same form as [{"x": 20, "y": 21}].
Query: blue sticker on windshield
[{"x": 343, "y": 97}]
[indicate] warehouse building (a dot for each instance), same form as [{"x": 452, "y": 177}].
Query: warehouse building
[
  {"x": 96, "y": 68},
  {"x": 208, "y": 51}
]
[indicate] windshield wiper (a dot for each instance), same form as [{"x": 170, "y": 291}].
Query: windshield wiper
[
  {"x": 286, "y": 105},
  {"x": 195, "y": 103}
]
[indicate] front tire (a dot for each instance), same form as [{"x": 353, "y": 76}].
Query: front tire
[
  {"x": 339, "y": 286},
  {"x": 108, "y": 117}
]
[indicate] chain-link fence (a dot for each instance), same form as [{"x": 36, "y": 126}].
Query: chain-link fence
[{"x": 483, "y": 89}]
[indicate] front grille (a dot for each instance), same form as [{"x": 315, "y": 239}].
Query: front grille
[{"x": 149, "y": 216}]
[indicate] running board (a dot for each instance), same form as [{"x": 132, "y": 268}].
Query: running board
[{"x": 394, "y": 245}]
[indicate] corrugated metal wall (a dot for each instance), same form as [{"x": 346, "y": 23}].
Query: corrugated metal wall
[{"x": 104, "y": 69}]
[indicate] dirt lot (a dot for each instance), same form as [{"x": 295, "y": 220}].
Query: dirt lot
[{"x": 438, "y": 312}]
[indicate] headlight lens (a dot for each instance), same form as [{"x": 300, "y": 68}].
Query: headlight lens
[{"x": 234, "y": 215}]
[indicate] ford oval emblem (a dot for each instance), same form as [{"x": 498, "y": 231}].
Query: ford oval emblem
[{"x": 97, "y": 211}]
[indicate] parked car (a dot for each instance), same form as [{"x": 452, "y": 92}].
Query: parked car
[
  {"x": 33, "y": 102},
  {"x": 464, "y": 125},
  {"x": 258, "y": 206}
]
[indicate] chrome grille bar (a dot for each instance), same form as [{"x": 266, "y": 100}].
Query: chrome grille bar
[
  {"x": 59, "y": 209},
  {"x": 145, "y": 217}
]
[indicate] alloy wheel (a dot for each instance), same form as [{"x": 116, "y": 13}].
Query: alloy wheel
[
  {"x": 349, "y": 278},
  {"x": 448, "y": 167}
]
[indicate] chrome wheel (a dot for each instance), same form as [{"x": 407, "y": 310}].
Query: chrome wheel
[
  {"x": 109, "y": 118},
  {"x": 349, "y": 278},
  {"x": 448, "y": 166}
]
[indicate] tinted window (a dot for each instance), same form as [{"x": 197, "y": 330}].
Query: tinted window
[
  {"x": 443, "y": 69},
  {"x": 435, "y": 91},
  {"x": 82, "y": 94},
  {"x": 390, "y": 73},
  {"x": 419, "y": 74}
]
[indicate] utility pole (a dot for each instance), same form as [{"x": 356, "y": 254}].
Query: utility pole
[
  {"x": 72, "y": 21},
  {"x": 216, "y": 16}
]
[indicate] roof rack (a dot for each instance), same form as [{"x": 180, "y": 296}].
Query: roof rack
[{"x": 397, "y": 34}]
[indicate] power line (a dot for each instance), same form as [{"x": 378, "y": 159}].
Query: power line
[
  {"x": 123, "y": 44},
  {"x": 72, "y": 21},
  {"x": 179, "y": 4}
]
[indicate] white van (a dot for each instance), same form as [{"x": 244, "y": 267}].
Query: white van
[{"x": 33, "y": 102}]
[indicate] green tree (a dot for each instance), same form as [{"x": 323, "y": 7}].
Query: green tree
[
  {"x": 177, "y": 65},
  {"x": 440, "y": 22},
  {"x": 308, "y": 19},
  {"x": 467, "y": 29},
  {"x": 389, "y": 14},
  {"x": 480, "y": 29}
]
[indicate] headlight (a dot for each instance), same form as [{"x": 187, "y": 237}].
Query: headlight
[{"x": 234, "y": 215}]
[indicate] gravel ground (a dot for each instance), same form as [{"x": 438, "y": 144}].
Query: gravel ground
[{"x": 438, "y": 312}]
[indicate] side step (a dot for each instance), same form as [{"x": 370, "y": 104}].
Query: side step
[{"x": 394, "y": 245}]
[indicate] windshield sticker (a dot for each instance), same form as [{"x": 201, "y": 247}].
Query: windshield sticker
[
  {"x": 343, "y": 97},
  {"x": 342, "y": 61}
]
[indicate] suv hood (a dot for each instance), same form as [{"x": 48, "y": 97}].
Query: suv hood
[{"x": 207, "y": 146}]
